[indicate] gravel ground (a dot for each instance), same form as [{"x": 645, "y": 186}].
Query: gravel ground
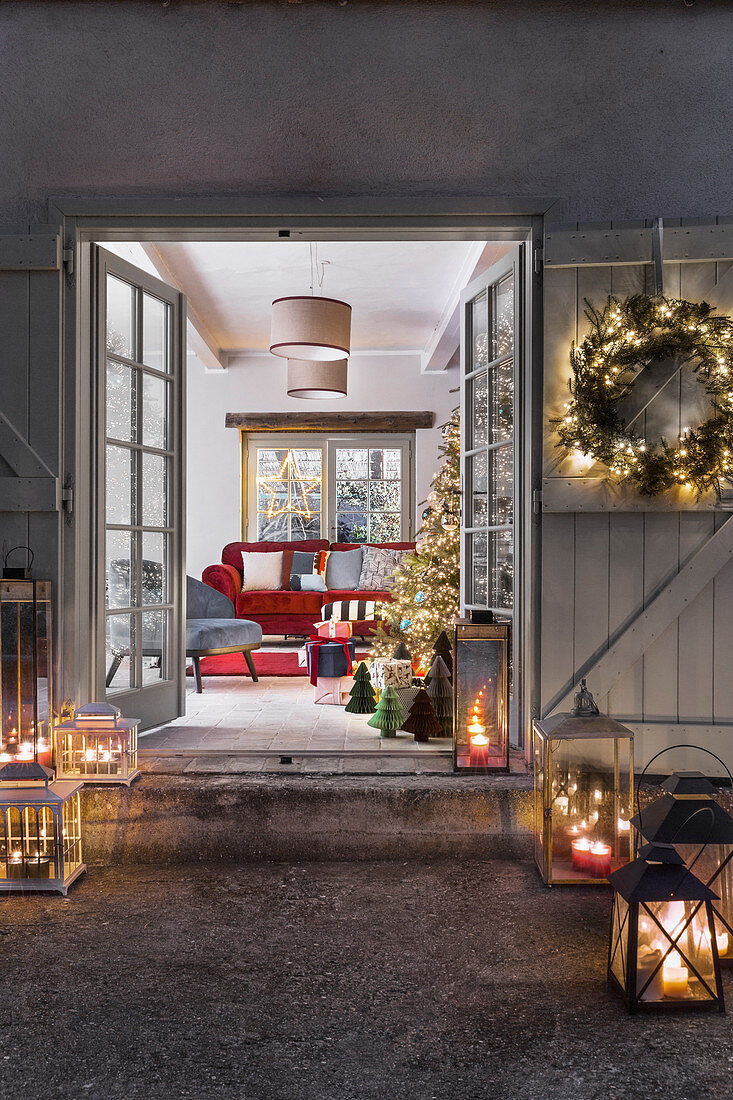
[{"x": 332, "y": 980}]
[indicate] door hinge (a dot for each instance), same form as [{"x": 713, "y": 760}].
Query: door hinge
[
  {"x": 67, "y": 497},
  {"x": 537, "y": 501},
  {"x": 538, "y": 258},
  {"x": 68, "y": 257}
]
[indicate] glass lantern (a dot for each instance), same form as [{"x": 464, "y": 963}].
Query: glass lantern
[
  {"x": 583, "y": 794},
  {"x": 689, "y": 816},
  {"x": 662, "y": 948},
  {"x": 97, "y": 746},
  {"x": 25, "y": 670},
  {"x": 480, "y": 697},
  {"x": 40, "y": 830}
]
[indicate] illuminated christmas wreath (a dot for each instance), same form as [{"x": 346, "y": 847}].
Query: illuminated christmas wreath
[{"x": 624, "y": 338}]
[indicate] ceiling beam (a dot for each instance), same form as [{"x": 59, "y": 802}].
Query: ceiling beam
[
  {"x": 200, "y": 339},
  {"x": 444, "y": 345}
]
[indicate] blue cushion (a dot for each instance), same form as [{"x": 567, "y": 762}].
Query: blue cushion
[
  {"x": 221, "y": 633},
  {"x": 344, "y": 568}
]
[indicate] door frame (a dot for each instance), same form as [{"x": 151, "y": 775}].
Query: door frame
[{"x": 86, "y": 219}]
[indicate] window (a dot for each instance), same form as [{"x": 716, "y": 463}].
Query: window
[
  {"x": 368, "y": 493},
  {"x": 289, "y": 488},
  {"x": 340, "y": 488}
]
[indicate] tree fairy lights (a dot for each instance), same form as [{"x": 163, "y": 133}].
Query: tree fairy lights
[
  {"x": 425, "y": 594},
  {"x": 624, "y": 338}
]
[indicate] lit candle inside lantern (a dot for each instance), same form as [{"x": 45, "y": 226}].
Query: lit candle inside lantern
[
  {"x": 478, "y": 749},
  {"x": 624, "y": 826},
  {"x": 722, "y": 942},
  {"x": 581, "y": 853},
  {"x": 674, "y": 976},
  {"x": 598, "y": 795},
  {"x": 599, "y": 860},
  {"x": 562, "y": 802}
]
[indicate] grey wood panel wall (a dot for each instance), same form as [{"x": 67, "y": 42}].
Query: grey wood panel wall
[
  {"x": 30, "y": 375},
  {"x": 601, "y": 569}
]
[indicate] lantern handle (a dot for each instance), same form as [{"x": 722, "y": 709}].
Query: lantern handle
[
  {"x": 19, "y": 547},
  {"x": 685, "y": 823},
  {"x": 669, "y": 748}
]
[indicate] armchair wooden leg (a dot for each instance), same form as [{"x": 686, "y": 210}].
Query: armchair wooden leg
[
  {"x": 251, "y": 665},
  {"x": 116, "y": 662},
  {"x": 197, "y": 675}
]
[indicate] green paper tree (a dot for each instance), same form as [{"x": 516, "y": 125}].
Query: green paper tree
[
  {"x": 362, "y": 699},
  {"x": 389, "y": 715},
  {"x": 402, "y": 653},
  {"x": 441, "y": 695},
  {"x": 422, "y": 721},
  {"x": 424, "y": 595}
]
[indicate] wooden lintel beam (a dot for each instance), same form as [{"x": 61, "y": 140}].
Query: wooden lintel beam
[
  {"x": 331, "y": 422},
  {"x": 604, "y": 671}
]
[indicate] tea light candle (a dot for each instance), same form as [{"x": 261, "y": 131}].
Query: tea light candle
[
  {"x": 581, "y": 853},
  {"x": 599, "y": 861},
  {"x": 722, "y": 942},
  {"x": 674, "y": 976},
  {"x": 478, "y": 751}
]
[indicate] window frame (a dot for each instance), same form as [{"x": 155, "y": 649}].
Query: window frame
[{"x": 328, "y": 442}]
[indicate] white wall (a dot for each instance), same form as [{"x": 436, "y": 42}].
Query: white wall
[{"x": 257, "y": 384}]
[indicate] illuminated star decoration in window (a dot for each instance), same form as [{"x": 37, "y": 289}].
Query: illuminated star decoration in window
[{"x": 299, "y": 490}]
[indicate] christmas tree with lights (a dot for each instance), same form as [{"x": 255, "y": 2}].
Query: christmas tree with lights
[{"x": 425, "y": 596}]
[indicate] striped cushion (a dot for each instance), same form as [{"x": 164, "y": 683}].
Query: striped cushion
[{"x": 349, "y": 610}]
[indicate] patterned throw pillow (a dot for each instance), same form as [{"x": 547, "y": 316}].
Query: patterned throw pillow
[{"x": 377, "y": 568}]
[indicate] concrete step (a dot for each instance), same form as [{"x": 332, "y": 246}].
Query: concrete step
[{"x": 245, "y": 818}]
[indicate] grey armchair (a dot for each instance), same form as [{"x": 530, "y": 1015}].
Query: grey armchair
[{"x": 211, "y": 628}]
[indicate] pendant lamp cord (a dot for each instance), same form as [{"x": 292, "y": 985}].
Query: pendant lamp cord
[{"x": 315, "y": 277}]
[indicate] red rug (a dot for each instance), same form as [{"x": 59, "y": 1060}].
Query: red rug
[{"x": 267, "y": 663}]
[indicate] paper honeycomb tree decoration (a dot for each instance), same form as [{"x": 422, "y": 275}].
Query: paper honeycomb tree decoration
[
  {"x": 422, "y": 721},
  {"x": 441, "y": 695},
  {"x": 389, "y": 715},
  {"x": 444, "y": 649},
  {"x": 402, "y": 653},
  {"x": 362, "y": 699}
]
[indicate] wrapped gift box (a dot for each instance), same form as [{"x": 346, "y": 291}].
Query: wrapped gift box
[
  {"x": 387, "y": 672},
  {"x": 331, "y": 657},
  {"x": 333, "y": 690},
  {"x": 333, "y": 628}
]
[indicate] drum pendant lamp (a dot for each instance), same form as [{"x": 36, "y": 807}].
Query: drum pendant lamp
[
  {"x": 313, "y": 379},
  {"x": 306, "y": 327}
]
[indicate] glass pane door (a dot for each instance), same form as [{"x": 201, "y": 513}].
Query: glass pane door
[
  {"x": 140, "y": 491},
  {"x": 488, "y": 443}
]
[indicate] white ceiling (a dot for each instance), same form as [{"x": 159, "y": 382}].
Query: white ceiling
[{"x": 399, "y": 291}]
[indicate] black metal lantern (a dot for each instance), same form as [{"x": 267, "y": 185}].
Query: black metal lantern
[
  {"x": 481, "y": 696},
  {"x": 689, "y": 817},
  {"x": 25, "y": 667},
  {"x": 662, "y": 949}
]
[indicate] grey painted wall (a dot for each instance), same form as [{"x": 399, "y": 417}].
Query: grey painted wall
[{"x": 617, "y": 108}]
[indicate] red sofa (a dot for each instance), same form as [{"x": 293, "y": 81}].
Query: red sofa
[{"x": 283, "y": 611}]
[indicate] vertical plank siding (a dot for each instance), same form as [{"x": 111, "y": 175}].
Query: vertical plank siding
[
  {"x": 30, "y": 369},
  {"x": 601, "y": 569}
]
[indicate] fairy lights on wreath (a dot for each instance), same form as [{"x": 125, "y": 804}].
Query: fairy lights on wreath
[{"x": 625, "y": 337}]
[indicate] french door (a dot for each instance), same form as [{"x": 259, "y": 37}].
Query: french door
[
  {"x": 492, "y": 356},
  {"x": 140, "y": 590}
]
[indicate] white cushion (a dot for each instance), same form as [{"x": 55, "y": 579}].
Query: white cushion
[{"x": 262, "y": 572}]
